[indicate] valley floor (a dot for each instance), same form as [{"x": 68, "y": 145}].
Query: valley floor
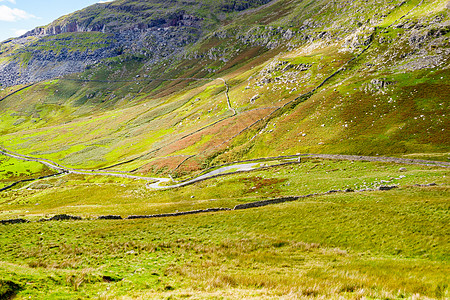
[{"x": 373, "y": 244}]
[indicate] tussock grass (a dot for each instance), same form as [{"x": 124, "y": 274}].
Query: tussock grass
[{"x": 381, "y": 245}]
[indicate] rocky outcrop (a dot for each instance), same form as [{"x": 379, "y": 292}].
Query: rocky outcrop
[
  {"x": 378, "y": 85},
  {"x": 154, "y": 44},
  {"x": 150, "y": 29},
  {"x": 179, "y": 19},
  {"x": 154, "y": 30}
]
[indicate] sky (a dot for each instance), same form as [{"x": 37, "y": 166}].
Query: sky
[{"x": 20, "y": 16}]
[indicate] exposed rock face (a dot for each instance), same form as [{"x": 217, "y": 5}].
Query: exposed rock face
[
  {"x": 153, "y": 43},
  {"x": 74, "y": 26},
  {"x": 40, "y": 68},
  {"x": 154, "y": 29}
]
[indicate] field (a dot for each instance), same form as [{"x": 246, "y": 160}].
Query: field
[
  {"x": 12, "y": 170},
  {"x": 91, "y": 196},
  {"x": 376, "y": 244},
  {"x": 381, "y": 246}
]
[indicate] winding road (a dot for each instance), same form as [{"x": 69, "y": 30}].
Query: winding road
[{"x": 227, "y": 169}]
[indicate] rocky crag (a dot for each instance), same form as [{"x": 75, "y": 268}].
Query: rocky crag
[
  {"x": 351, "y": 77},
  {"x": 151, "y": 29},
  {"x": 36, "y": 61},
  {"x": 155, "y": 30}
]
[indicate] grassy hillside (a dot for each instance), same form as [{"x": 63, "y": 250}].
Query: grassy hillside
[
  {"x": 387, "y": 95},
  {"x": 253, "y": 81},
  {"x": 12, "y": 170},
  {"x": 240, "y": 254},
  {"x": 91, "y": 196}
]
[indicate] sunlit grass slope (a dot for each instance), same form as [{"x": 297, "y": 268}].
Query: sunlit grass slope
[
  {"x": 376, "y": 104},
  {"x": 295, "y": 76},
  {"x": 12, "y": 170}
]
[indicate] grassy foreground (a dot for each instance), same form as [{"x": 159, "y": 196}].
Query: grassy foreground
[{"x": 379, "y": 244}]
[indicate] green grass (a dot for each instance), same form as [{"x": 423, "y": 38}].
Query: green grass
[
  {"x": 356, "y": 121},
  {"x": 90, "y": 196},
  {"x": 398, "y": 12},
  {"x": 12, "y": 170},
  {"x": 382, "y": 245},
  {"x": 375, "y": 245}
]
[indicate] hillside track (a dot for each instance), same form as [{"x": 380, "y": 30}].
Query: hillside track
[
  {"x": 54, "y": 165},
  {"x": 276, "y": 112}
]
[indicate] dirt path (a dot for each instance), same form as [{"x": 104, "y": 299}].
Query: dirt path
[
  {"x": 218, "y": 171},
  {"x": 227, "y": 89},
  {"x": 221, "y": 171},
  {"x": 66, "y": 170},
  {"x": 48, "y": 163},
  {"x": 55, "y": 166},
  {"x": 279, "y": 111}
]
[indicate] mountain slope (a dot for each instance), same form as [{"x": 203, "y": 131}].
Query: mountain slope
[
  {"x": 370, "y": 80},
  {"x": 151, "y": 29}
]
